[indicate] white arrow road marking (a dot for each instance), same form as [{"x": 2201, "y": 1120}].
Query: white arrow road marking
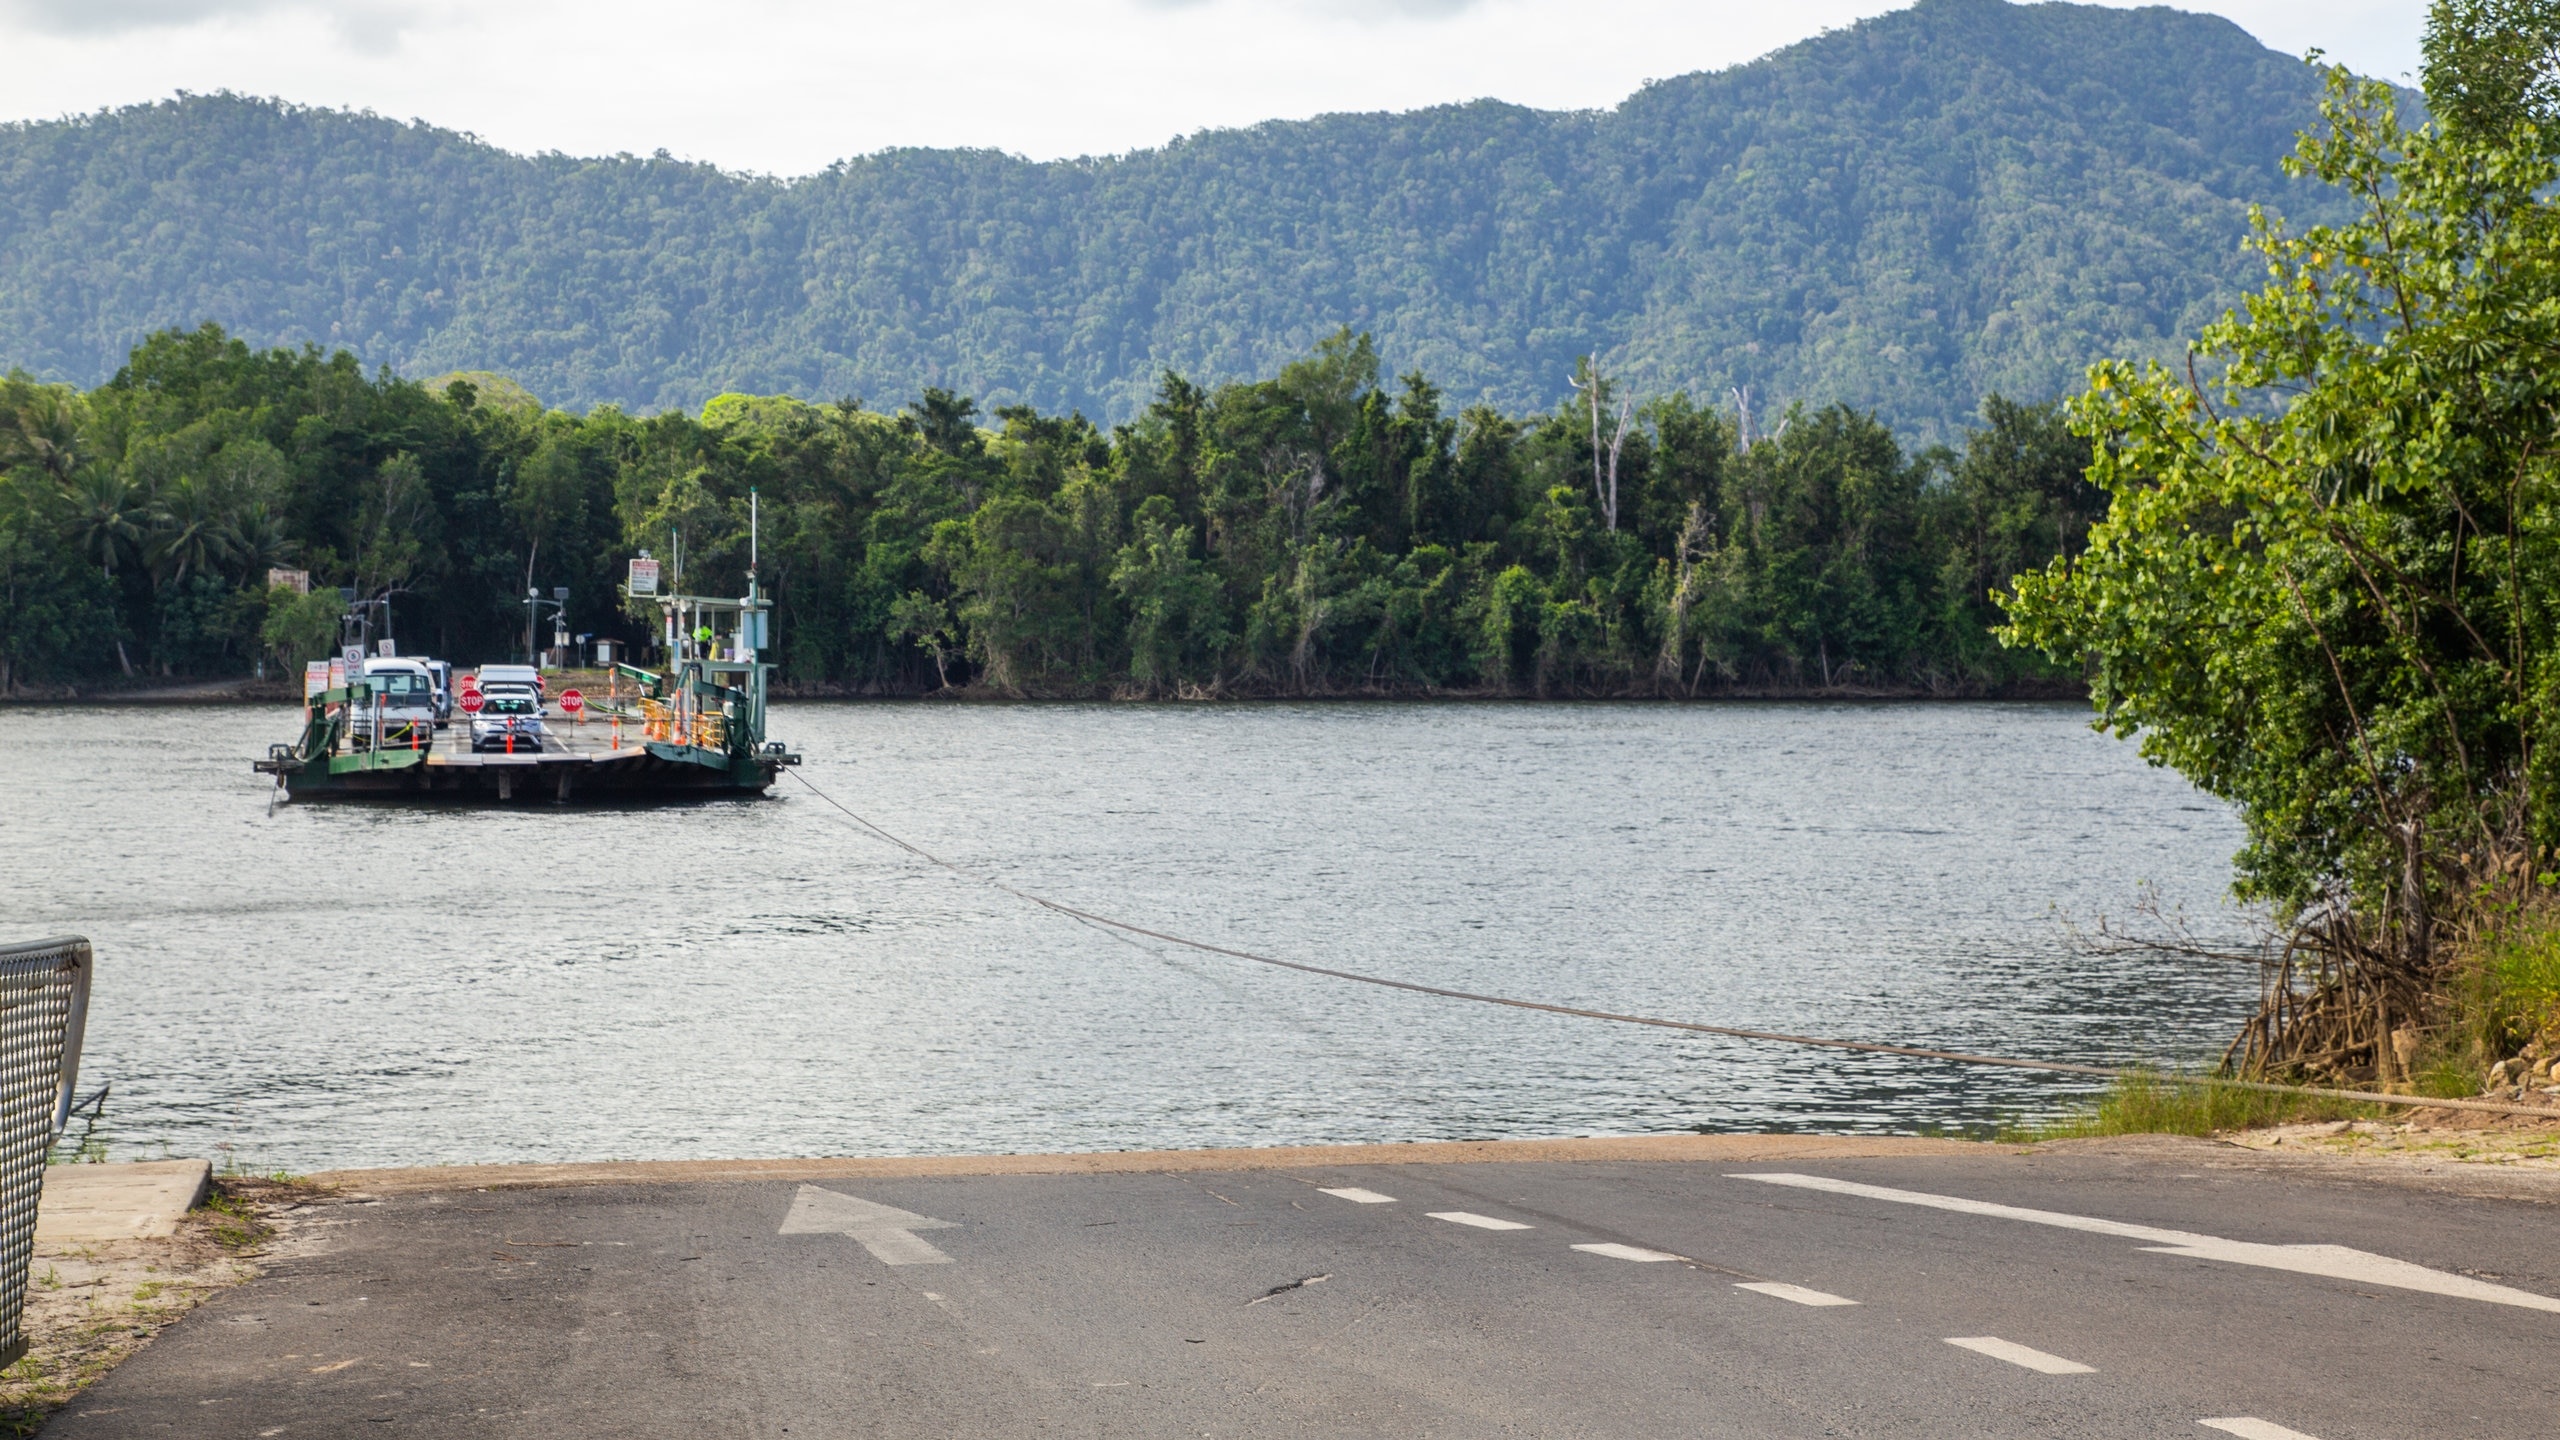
[
  {"x": 1627, "y": 1252},
  {"x": 884, "y": 1230},
  {"x": 1797, "y": 1293},
  {"x": 2250, "y": 1427},
  {"x": 2334, "y": 1262},
  {"x": 1358, "y": 1196},
  {"x": 1481, "y": 1222},
  {"x": 2017, "y": 1354}
]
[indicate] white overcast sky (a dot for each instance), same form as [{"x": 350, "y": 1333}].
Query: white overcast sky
[{"x": 785, "y": 86}]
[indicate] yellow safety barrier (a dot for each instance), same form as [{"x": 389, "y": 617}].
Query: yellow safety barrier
[{"x": 661, "y": 721}]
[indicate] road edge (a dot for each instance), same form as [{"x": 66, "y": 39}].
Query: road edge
[{"x": 1621, "y": 1148}]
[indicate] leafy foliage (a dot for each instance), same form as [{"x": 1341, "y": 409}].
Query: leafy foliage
[
  {"x": 1955, "y": 199},
  {"x": 2325, "y": 586},
  {"x": 1316, "y": 532}
]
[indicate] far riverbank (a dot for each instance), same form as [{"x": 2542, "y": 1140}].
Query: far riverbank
[{"x": 245, "y": 689}]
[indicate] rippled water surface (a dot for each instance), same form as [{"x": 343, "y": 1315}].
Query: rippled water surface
[{"x": 346, "y": 985}]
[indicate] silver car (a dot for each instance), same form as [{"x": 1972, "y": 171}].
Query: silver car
[{"x": 508, "y": 720}]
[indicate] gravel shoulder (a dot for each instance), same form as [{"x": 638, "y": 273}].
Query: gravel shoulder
[
  {"x": 2422, "y": 1141},
  {"x": 92, "y": 1303}
]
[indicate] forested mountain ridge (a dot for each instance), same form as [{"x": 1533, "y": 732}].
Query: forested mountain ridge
[{"x": 1962, "y": 197}]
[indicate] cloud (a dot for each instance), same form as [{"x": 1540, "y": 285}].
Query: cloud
[
  {"x": 1395, "y": 9},
  {"x": 371, "y": 26},
  {"x": 107, "y": 17},
  {"x": 1365, "y": 10}
]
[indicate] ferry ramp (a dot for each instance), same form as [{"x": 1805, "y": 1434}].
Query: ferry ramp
[{"x": 1706, "y": 1286}]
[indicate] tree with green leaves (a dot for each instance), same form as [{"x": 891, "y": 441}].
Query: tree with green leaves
[{"x": 2328, "y": 585}]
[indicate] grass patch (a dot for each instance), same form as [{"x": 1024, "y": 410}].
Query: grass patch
[
  {"x": 2508, "y": 991},
  {"x": 237, "y": 1226},
  {"x": 2143, "y": 1102}
]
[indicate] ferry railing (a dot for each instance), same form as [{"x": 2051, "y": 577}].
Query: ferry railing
[
  {"x": 44, "y": 1012},
  {"x": 674, "y": 725}
]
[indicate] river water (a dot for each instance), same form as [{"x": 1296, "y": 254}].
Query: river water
[{"x": 314, "y": 986}]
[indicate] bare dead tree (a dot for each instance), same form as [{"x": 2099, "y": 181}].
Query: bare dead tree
[
  {"x": 1617, "y": 443},
  {"x": 1745, "y": 436},
  {"x": 1604, "y": 482}
]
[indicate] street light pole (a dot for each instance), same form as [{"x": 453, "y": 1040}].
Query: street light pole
[{"x": 533, "y": 603}]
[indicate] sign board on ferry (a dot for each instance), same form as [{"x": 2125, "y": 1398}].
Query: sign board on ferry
[{"x": 644, "y": 576}]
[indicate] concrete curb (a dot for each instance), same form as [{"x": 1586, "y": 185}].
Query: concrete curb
[
  {"x": 138, "y": 1201},
  {"x": 1749, "y": 1149}
]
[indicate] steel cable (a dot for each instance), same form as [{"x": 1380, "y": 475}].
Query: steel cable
[{"x": 1697, "y": 1027}]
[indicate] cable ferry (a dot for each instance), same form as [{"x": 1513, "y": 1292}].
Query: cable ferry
[{"x": 695, "y": 728}]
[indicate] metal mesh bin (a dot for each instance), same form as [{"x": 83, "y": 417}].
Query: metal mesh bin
[{"x": 44, "y": 1006}]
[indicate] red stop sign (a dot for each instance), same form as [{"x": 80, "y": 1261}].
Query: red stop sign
[
  {"x": 471, "y": 702},
  {"x": 572, "y": 701}
]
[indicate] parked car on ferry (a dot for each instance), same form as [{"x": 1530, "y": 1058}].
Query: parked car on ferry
[
  {"x": 524, "y": 675},
  {"x": 508, "y": 719},
  {"x": 524, "y": 692},
  {"x": 406, "y": 705},
  {"x": 442, "y": 672}
]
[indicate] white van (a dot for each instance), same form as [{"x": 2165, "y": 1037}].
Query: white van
[
  {"x": 524, "y": 675},
  {"x": 406, "y": 705},
  {"x": 441, "y": 671}
]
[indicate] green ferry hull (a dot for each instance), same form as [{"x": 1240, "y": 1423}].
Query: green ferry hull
[{"x": 652, "y": 769}]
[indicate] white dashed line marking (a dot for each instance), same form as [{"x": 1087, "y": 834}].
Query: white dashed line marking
[
  {"x": 1481, "y": 1222},
  {"x": 2017, "y": 1354},
  {"x": 2333, "y": 1262},
  {"x": 1627, "y": 1252},
  {"x": 2250, "y": 1427},
  {"x": 1797, "y": 1293},
  {"x": 1358, "y": 1196}
]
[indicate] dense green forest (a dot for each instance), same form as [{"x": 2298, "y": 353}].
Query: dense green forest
[
  {"x": 1323, "y": 531},
  {"x": 1961, "y": 198}
]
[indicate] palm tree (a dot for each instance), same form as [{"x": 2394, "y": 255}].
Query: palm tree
[
  {"x": 194, "y": 535},
  {"x": 258, "y": 540},
  {"x": 40, "y": 428},
  {"x": 105, "y": 515}
]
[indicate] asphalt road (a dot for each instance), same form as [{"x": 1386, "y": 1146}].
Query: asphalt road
[{"x": 1372, "y": 1299}]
